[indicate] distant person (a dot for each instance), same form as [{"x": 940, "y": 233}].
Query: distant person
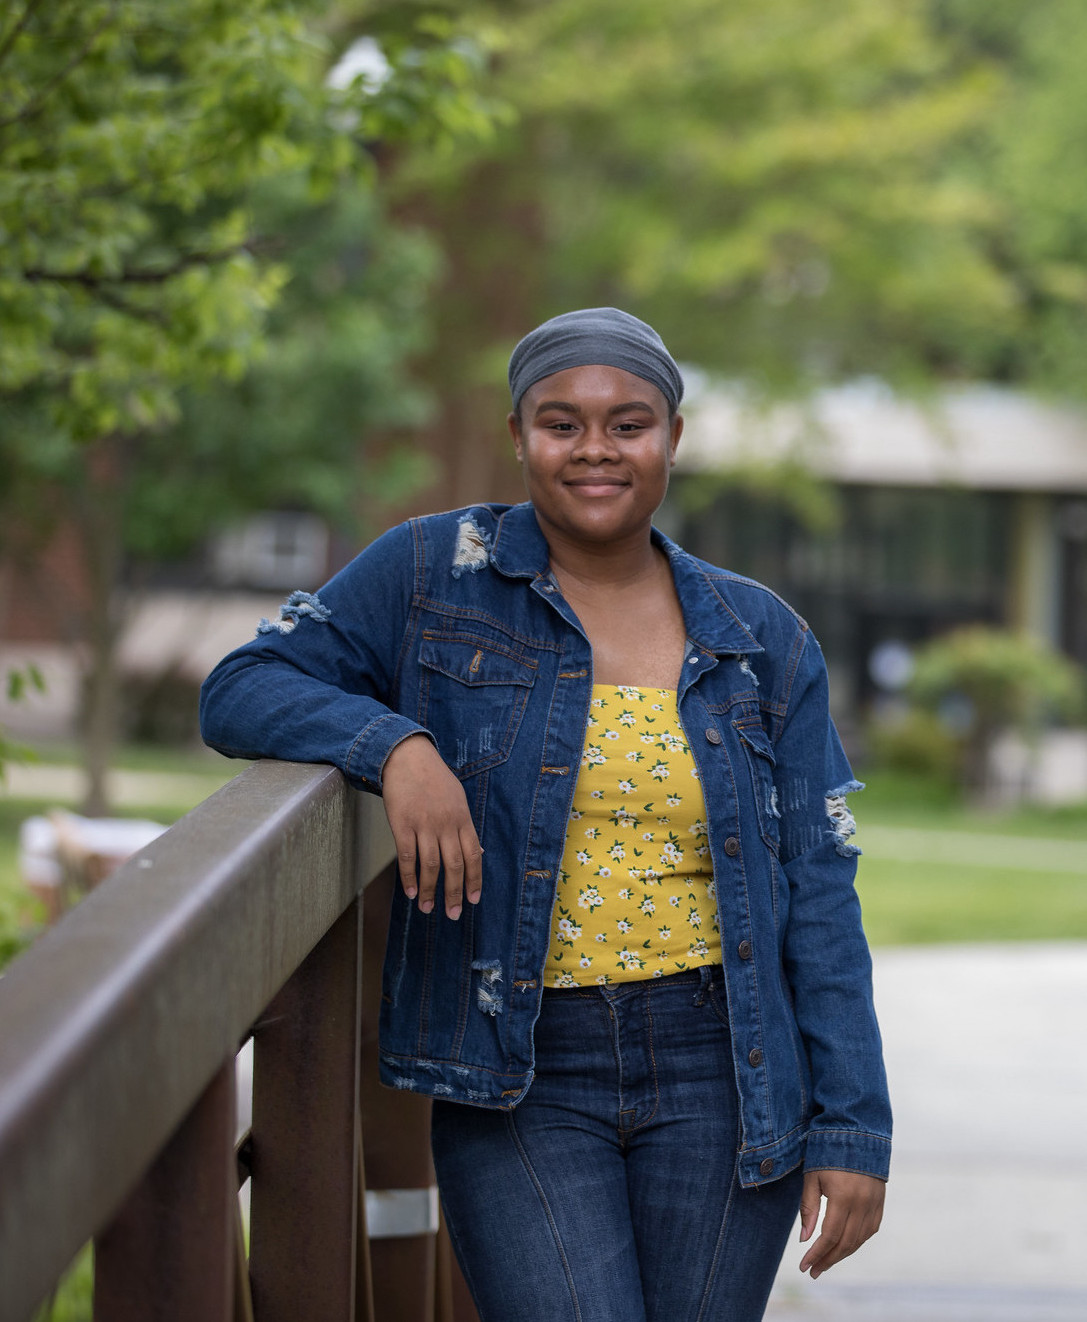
[{"x": 626, "y": 958}]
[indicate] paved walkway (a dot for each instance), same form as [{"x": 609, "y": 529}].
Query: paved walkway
[{"x": 986, "y": 1215}]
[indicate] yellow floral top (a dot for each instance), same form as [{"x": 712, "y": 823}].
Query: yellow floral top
[{"x": 635, "y": 895}]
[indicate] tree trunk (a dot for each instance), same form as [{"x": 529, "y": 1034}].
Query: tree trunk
[{"x": 98, "y": 514}]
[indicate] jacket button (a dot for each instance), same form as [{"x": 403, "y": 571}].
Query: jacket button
[
  {"x": 744, "y": 950},
  {"x": 766, "y": 1167},
  {"x": 713, "y": 735},
  {"x": 754, "y": 1057},
  {"x": 732, "y": 846}
]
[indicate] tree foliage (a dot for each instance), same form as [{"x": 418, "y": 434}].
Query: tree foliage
[
  {"x": 162, "y": 163},
  {"x": 131, "y": 137}
]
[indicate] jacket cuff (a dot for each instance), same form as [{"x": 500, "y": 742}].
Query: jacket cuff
[
  {"x": 848, "y": 1150},
  {"x": 366, "y": 758}
]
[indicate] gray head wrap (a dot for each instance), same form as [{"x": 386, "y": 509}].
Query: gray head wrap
[{"x": 595, "y": 335}]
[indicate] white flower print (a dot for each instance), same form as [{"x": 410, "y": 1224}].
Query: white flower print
[
  {"x": 664, "y": 933},
  {"x": 626, "y": 893},
  {"x": 603, "y": 871},
  {"x": 598, "y": 702},
  {"x": 617, "y": 852},
  {"x": 628, "y": 719},
  {"x": 671, "y": 854},
  {"x": 603, "y": 979},
  {"x": 623, "y": 817},
  {"x": 568, "y": 930},
  {"x": 601, "y": 936},
  {"x": 648, "y": 738},
  {"x": 589, "y": 898},
  {"x": 583, "y": 856},
  {"x": 611, "y": 734},
  {"x": 565, "y": 980},
  {"x": 647, "y": 835},
  {"x": 627, "y": 786},
  {"x": 673, "y": 800},
  {"x": 634, "y": 756},
  {"x": 596, "y": 794},
  {"x": 647, "y": 906},
  {"x": 659, "y": 771},
  {"x": 585, "y": 961},
  {"x": 674, "y": 901},
  {"x": 698, "y": 828},
  {"x": 592, "y": 832},
  {"x": 630, "y": 959},
  {"x": 624, "y": 925},
  {"x": 631, "y": 694},
  {"x": 576, "y": 816},
  {"x": 694, "y": 918}
]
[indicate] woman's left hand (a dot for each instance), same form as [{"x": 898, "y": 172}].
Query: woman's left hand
[{"x": 854, "y": 1211}]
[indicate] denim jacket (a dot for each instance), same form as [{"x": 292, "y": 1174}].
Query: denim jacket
[{"x": 452, "y": 625}]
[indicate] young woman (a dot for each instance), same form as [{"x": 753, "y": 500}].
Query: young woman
[{"x": 627, "y": 958}]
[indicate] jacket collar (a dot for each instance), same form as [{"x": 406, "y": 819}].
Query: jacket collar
[{"x": 520, "y": 551}]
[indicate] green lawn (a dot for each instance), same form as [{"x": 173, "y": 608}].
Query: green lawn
[{"x": 932, "y": 870}]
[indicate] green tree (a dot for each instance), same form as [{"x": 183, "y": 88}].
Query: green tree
[
  {"x": 140, "y": 146},
  {"x": 791, "y": 192},
  {"x": 771, "y": 183},
  {"x": 987, "y": 681}
]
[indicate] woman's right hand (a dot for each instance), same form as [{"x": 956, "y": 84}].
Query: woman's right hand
[{"x": 431, "y": 825}]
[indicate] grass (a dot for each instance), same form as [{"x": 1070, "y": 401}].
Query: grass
[{"x": 934, "y": 870}]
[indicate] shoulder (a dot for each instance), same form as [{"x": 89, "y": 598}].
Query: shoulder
[
  {"x": 751, "y": 601},
  {"x": 458, "y": 539}
]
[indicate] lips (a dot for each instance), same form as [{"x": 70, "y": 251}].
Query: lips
[{"x": 597, "y": 484}]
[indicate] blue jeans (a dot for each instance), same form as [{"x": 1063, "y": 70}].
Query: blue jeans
[{"x": 610, "y": 1193}]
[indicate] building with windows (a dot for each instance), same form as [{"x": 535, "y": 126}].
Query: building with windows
[{"x": 967, "y": 506}]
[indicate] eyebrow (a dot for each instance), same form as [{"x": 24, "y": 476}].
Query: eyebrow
[{"x": 566, "y": 407}]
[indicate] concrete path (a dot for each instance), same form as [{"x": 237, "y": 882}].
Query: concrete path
[{"x": 986, "y": 1216}]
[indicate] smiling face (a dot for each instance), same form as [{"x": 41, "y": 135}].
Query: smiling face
[{"x": 596, "y": 445}]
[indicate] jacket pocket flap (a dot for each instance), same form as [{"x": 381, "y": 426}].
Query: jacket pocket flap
[{"x": 474, "y": 661}]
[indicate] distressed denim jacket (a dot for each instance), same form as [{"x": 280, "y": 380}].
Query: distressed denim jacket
[{"x": 453, "y": 625}]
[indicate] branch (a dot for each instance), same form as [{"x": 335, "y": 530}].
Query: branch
[
  {"x": 158, "y": 276},
  {"x": 13, "y": 36},
  {"x": 119, "y": 304},
  {"x": 36, "y": 102}
]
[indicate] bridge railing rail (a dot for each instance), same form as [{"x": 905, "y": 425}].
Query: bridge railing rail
[{"x": 119, "y": 1031}]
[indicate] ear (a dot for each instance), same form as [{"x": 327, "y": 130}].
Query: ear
[
  {"x": 513, "y": 422},
  {"x": 677, "y": 432}
]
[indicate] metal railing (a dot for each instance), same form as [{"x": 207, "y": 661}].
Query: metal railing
[{"x": 118, "y": 1110}]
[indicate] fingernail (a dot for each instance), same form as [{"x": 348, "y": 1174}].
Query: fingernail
[
  {"x": 426, "y": 906},
  {"x": 473, "y": 897},
  {"x": 454, "y": 913},
  {"x": 411, "y": 892}
]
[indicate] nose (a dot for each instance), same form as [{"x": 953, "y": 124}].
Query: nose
[{"x": 595, "y": 443}]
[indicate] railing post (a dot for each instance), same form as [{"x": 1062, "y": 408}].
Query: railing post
[
  {"x": 168, "y": 1255},
  {"x": 305, "y": 1159}
]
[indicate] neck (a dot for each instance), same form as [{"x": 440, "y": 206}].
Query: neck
[{"x": 609, "y": 564}]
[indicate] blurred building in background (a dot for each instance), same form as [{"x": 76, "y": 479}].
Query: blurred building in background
[{"x": 968, "y": 506}]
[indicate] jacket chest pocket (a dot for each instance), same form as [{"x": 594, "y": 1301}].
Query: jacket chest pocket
[
  {"x": 472, "y": 695},
  {"x": 759, "y": 753}
]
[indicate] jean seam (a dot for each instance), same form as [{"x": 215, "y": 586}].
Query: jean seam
[
  {"x": 711, "y": 1275},
  {"x": 511, "y": 1124},
  {"x": 653, "y": 1058}
]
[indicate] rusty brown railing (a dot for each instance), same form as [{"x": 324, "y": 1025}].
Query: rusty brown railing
[{"x": 118, "y": 1111}]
